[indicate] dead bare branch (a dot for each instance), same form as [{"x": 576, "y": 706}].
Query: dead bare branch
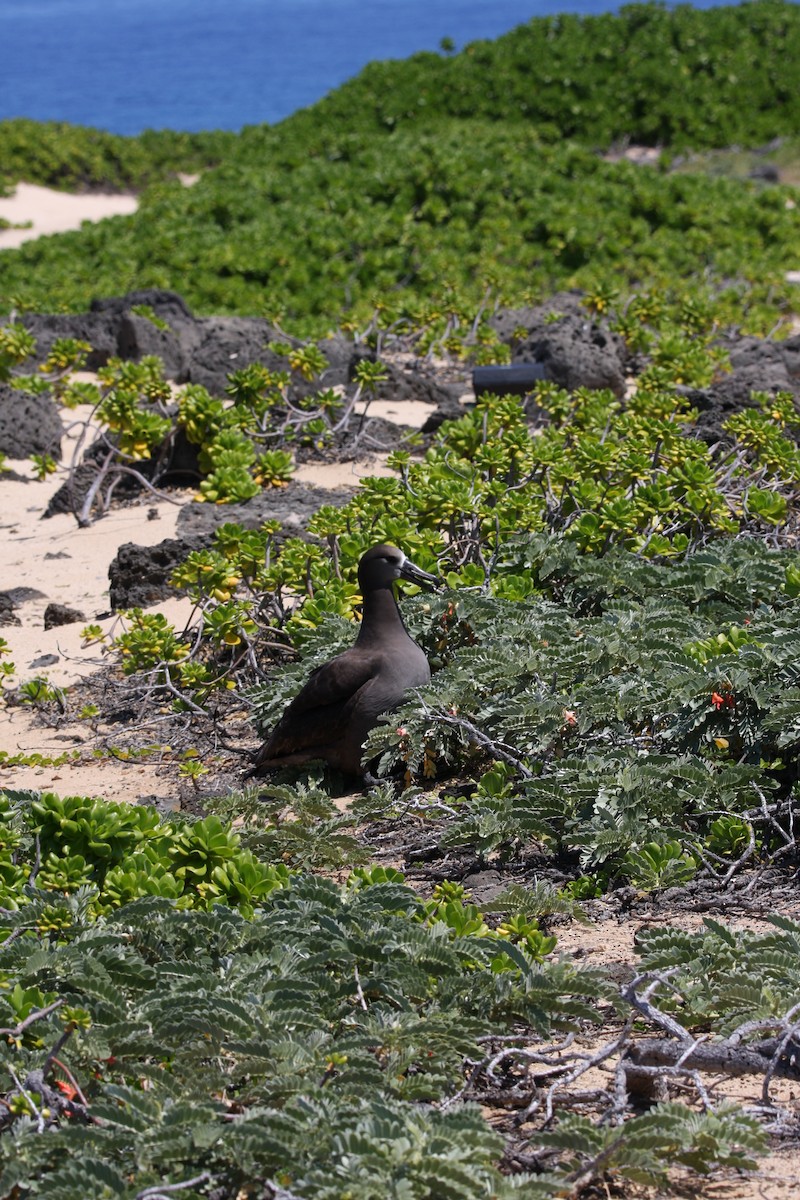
[{"x": 717, "y": 1057}]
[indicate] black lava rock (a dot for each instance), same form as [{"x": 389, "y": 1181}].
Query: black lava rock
[
  {"x": 293, "y": 506},
  {"x": 575, "y": 350},
  {"x": 61, "y": 614},
  {"x": 7, "y": 615},
  {"x": 139, "y": 575},
  {"x": 28, "y": 424}
]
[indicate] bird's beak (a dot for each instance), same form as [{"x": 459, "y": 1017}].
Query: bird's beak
[{"x": 415, "y": 574}]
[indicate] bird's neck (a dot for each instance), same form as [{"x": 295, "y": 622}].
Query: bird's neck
[{"x": 380, "y": 618}]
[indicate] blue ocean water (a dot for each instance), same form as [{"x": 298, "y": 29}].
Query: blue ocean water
[{"x": 129, "y": 65}]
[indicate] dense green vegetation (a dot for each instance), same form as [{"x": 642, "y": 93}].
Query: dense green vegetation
[
  {"x": 314, "y": 1046},
  {"x": 113, "y": 853},
  {"x": 74, "y": 158},
  {"x": 317, "y": 229},
  {"x": 442, "y": 177},
  {"x": 661, "y": 77},
  {"x": 701, "y": 711}
]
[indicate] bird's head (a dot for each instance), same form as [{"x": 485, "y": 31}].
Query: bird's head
[{"x": 382, "y": 565}]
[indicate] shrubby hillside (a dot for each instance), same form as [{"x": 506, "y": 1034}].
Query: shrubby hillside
[
  {"x": 55, "y": 154},
  {"x": 319, "y": 229},
  {"x": 447, "y": 176},
  {"x": 653, "y": 75}
]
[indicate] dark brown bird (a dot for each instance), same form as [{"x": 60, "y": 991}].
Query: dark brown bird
[{"x": 342, "y": 700}]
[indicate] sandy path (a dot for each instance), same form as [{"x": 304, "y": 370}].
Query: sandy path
[
  {"x": 55, "y": 561},
  {"x": 56, "y": 212}
]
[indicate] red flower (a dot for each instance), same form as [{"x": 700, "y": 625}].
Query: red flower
[{"x": 726, "y": 700}]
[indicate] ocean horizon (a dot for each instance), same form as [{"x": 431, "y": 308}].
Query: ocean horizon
[{"x": 207, "y": 64}]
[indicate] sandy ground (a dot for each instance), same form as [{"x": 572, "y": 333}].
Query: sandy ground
[
  {"x": 55, "y": 561},
  {"x": 55, "y": 212}
]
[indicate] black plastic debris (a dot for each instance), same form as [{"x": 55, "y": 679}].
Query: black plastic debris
[{"x": 515, "y": 380}]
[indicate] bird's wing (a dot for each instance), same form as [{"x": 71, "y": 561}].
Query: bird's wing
[
  {"x": 335, "y": 682},
  {"x": 319, "y": 716}
]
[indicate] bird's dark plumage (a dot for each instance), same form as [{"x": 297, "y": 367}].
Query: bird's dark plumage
[{"x": 342, "y": 700}]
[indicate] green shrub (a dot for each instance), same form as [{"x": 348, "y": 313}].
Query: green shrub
[
  {"x": 72, "y": 157},
  {"x": 115, "y": 853}
]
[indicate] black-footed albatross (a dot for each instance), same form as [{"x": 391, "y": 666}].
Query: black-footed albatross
[{"x": 342, "y": 700}]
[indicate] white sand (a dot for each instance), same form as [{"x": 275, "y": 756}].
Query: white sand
[
  {"x": 61, "y": 655},
  {"x": 56, "y": 212},
  {"x": 65, "y": 565}
]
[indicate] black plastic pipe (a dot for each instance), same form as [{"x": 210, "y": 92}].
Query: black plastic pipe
[{"x": 514, "y": 380}]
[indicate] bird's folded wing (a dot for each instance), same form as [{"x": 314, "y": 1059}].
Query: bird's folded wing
[{"x": 335, "y": 682}]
